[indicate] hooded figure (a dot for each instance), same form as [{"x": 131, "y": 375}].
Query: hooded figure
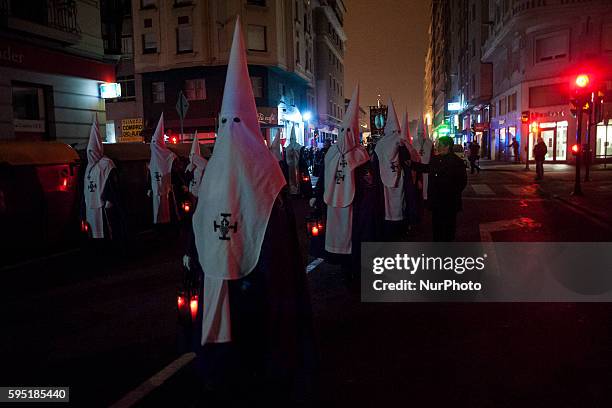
[
  {"x": 424, "y": 147},
  {"x": 160, "y": 168},
  {"x": 97, "y": 174},
  {"x": 391, "y": 174},
  {"x": 292, "y": 155},
  {"x": 197, "y": 164},
  {"x": 277, "y": 151},
  {"x": 341, "y": 161},
  {"x": 254, "y": 292},
  {"x": 413, "y": 202}
]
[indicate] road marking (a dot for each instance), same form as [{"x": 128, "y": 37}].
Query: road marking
[
  {"x": 313, "y": 265},
  {"x": 137, "y": 394},
  {"x": 482, "y": 189}
]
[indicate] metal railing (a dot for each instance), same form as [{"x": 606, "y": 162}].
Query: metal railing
[{"x": 58, "y": 14}]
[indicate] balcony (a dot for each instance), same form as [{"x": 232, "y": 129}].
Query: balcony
[{"x": 52, "y": 19}]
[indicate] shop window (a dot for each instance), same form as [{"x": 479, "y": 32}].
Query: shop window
[
  {"x": 195, "y": 89},
  {"x": 256, "y": 35},
  {"x": 257, "y": 83},
  {"x": 158, "y": 92},
  {"x": 149, "y": 43},
  {"x": 127, "y": 46},
  {"x": 603, "y": 146},
  {"x": 29, "y": 108},
  {"x": 551, "y": 48},
  {"x": 147, "y": 3}
]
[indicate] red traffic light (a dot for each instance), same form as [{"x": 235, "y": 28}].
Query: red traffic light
[
  {"x": 174, "y": 140},
  {"x": 582, "y": 81},
  {"x": 575, "y": 149}
]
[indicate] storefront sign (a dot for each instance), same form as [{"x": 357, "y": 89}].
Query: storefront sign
[
  {"x": 131, "y": 129},
  {"x": 481, "y": 127},
  {"x": 267, "y": 115},
  {"x": 24, "y": 56},
  {"x": 34, "y": 126}
]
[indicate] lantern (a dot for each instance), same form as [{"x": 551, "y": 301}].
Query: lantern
[{"x": 315, "y": 226}]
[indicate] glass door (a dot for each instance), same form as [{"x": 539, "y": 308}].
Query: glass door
[{"x": 548, "y": 135}]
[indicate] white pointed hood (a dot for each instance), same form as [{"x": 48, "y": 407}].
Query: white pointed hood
[
  {"x": 292, "y": 157},
  {"x": 387, "y": 149},
  {"x": 343, "y": 157},
  {"x": 96, "y": 174},
  {"x": 161, "y": 157},
  {"x": 407, "y": 141},
  {"x": 197, "y": 165},
  {"x": 275, "y": 146},
  {"x": 95, "y": 151},
  {"x": 422, "y": 143},
  {"x": 242, "y": 180}
]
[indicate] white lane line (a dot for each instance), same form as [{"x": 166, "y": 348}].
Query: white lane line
[
  {"x": 482, "y": 189},
  {"x": 137, "y": 394},
  {"x": 313, "y": 265}
]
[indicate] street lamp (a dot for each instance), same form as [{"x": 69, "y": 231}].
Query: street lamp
[{"x": 580, "y": 102}]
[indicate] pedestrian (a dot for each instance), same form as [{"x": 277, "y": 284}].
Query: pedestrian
[
  {"x": 516, "y": 149},
  {"x": 256, "y": 324},
  {"x": 387, "y": 158},
  {"x": 102, "y": 211},
  {"x": 474, "y": 156},
  {"x": 447, "y": 181},
  {"x": 539, "y": 154},
  {"x": 353, "y": 195}
]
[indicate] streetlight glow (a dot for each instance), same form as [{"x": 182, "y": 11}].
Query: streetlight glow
[
  {"x": 582, "y": 80},
  {"x": 307, "y": 116}
]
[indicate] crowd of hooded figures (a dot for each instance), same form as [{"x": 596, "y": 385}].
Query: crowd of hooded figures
[{"x": 254, "y": 336}]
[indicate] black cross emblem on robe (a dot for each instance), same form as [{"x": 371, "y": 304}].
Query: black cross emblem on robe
[
  {"x": 225, "y": 227},
  {"x": 339, "y": 176},
  {"x": 157, "y": 176},
  {"x": 343, "y": 162},
  {"x": 394, "y": 166},
  {"x": 92, "y": 186}
]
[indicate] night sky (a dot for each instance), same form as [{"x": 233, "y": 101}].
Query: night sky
[{"x": 387, "y": 42}]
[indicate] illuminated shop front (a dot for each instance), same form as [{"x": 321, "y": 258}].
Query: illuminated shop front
[
  {"x": 554, "y": 135},
  {"x": 603, "y": 143}
]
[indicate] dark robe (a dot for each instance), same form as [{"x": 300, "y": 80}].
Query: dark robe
[
  {"x": 368, "y": 215},
  {"x": 271, "y": 355}
]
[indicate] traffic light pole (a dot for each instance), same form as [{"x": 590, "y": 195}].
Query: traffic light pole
[
  {"x": 527, "y": 147},
  {"x": 577, "y": 188}
]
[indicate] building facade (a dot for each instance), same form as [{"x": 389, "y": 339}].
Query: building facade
[
  {"x": 183, "y": 46},
  {"x": 52, "y": 63},
  {"x": 330, "y": 43},
  {"x": 536, "y": 49},
  {"x": 509, "y": 64}
]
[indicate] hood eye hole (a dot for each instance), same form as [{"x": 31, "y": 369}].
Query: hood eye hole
[
  {"x": 237, "y": 120},
  {"x": 342, "y": 129},
  {"x": 224, "y": 120}
]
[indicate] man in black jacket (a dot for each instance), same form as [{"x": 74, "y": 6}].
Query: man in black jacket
[{"x": 447, "y": 179}]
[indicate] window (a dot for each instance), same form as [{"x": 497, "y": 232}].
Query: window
[
  {"x": 257, "y": 38},
  {"x": 257, "y": 83},
  {"x": 127, "y": 46},
  {"x": 184, "y": 36},
  {"x": 158, "y": 91},
  {"x": 128, "y": 87},
  {"x": 551, "y": 48},
  {"x": 149, "y": 43},
  {"x": 195, "y": 89},
  {"x": 260, "y": 3},
  {"x": 501, "y": 106},
  {"x": 148, "y": 23},
  {"x": 331, "y": 84},
  {"x": 606, "y": 38},
  {"x": 548, "y": 95},
  {"x": 512, "y": 102},
  {"x": 148, "y": 3}
]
